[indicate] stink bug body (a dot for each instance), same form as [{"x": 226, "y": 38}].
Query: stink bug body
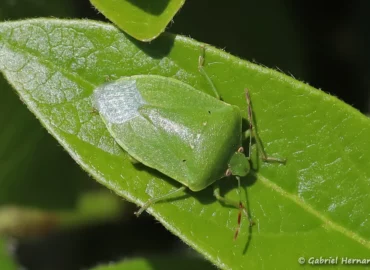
[{"x": 168, "y": 125}]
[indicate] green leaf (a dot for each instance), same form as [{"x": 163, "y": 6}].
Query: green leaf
[
  {"x": 315, "y": 205},
  {"x": 6, "y": 261},
  {"x": 142, "y": 19},
  {"x": 159, "y": 262},
  {"x": 92, "y": 207}
]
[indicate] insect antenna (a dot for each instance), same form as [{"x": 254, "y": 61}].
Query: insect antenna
[
  {"x": 239, "y": 221},
  {"x": 242, "y": 209}
]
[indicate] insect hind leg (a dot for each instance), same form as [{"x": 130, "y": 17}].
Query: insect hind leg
[
  {"x": 201, "y": 61},
  {"x": 152, "y": 201}
]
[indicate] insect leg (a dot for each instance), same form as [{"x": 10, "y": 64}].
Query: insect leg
[
  {"x": 254, "y": 134},
  {"x": 160, "y": 198},
  {"x": 201, "y": 61}
]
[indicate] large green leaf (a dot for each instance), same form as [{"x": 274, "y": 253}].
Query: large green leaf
[
  {"x": 315, "y": 205},
  {"x": 142, "y": 19},
  {"x": 159, "y": 262}
]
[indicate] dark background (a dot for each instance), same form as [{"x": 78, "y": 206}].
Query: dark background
[{"x": 321, "y": 43}]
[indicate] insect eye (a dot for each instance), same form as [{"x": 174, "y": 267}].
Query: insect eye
[
  {"x": 228, "y": 172},
  {"x": 241, "y": 150}
]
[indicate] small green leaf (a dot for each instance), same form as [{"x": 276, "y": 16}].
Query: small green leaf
[
  {"x": 159, "y": 262},
  {"x": 92, "y": 207},
  {"x": 142, "y": 19},
  {"x": 6, "y": 261},
  {"x": 315, "y": 205}
]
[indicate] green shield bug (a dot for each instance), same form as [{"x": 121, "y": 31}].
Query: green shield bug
[{"x": 170, "y": 126}]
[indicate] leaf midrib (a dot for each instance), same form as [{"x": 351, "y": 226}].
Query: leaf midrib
[{"x": 307, "y": 207}]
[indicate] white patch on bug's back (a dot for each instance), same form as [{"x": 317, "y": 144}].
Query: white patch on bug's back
[
  {"x": 119, "y": 101},
  {"x": 171, "y": 127}
]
